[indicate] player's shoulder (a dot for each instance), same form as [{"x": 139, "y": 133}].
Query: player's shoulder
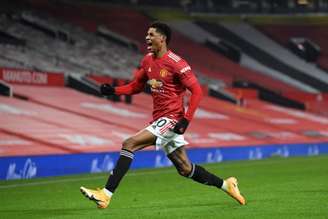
[
  {"x": 146, "y": 59},
  {"x": 173, "y": 57},
  {"x": 179, "y": 63}
]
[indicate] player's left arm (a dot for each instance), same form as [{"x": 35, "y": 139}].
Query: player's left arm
[
  {"x": 196, "y": 96},
  {"x": 189, "y": 80}
]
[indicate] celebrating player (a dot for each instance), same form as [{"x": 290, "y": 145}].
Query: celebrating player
[{"x": 168, "y": 76}]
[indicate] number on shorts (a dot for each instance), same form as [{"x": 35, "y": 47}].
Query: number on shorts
[{"x": 161, "y": 123}]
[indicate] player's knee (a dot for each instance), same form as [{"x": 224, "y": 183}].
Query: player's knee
[
  {"x": 129, "y": 144},
  {"x": 184, "y": 170}
]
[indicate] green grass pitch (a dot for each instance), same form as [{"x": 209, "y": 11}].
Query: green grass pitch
[{"x": 274, "y": 188}]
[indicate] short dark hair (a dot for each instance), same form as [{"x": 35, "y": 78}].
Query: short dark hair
[{"x": 162, "y": 28}]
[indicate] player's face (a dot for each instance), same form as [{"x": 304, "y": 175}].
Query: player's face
[{"x": 155, "y": 40}]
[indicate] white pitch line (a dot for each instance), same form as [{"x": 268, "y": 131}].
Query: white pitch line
[
  {"x": 54, "y": 181},
  {"x": 137, "y": 173}
]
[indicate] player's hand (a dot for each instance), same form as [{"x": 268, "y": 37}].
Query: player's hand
[
  {"x": 107, "y": 89},
  {"x": 181, "y": 126}
]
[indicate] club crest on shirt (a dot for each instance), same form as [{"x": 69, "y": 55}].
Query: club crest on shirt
[{"x": 163, "y": 72}]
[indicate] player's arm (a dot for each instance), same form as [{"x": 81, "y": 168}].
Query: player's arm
[
  {"x": 196, "y": 96},
  {"x": 135, "y": 86},
  {"x": 191, "y": 83}
]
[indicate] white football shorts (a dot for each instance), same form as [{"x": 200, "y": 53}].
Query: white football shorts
[{"x": 166, "y": 138}]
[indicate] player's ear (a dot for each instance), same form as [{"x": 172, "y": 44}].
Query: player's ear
[{"x": 163, "y": 38}]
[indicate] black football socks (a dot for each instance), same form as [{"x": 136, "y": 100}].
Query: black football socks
[
  {"x": 122, "y": 166},
  {"x": 199, "y": 174}
]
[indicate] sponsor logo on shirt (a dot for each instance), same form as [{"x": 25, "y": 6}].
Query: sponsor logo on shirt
[
  {"x": 163, "y": 73},
  {"x": 155, "y": 85}
]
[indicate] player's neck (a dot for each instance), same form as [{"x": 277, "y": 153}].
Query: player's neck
[{"x": 161, "y": 53}]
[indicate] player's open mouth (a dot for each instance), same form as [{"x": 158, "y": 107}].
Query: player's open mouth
[{"x": 149, "y": 45}]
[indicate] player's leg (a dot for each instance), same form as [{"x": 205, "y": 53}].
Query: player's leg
[
  {"x": 197, "y": 173},
  {"x": 102, "y": 197},
  {"x": 137, "y": 142},
  {"x": 185, "y": 168}
]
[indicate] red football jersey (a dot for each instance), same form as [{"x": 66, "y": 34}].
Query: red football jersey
[{"x": 168, "y": 78}]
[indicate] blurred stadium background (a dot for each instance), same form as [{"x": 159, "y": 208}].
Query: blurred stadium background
[{"x": 263, "y": 66}]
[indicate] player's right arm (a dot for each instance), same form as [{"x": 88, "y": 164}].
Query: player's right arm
[{"x": 135, "y": 86}]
